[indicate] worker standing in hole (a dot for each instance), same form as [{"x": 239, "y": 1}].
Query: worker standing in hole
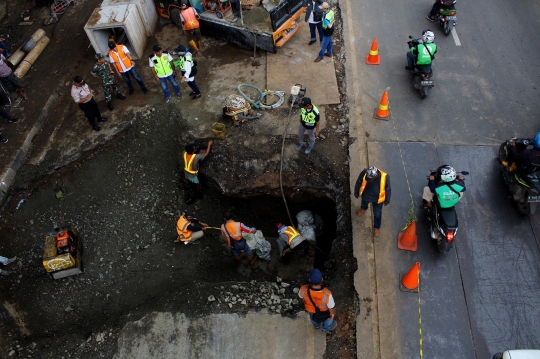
[
  {"x": 373, "y": 185},
  {"x": 309, "y": 121},
  {"x": 319, "y": 302},
  {"x": 290, "y": 240},
  {"x": 189, "y": 228},
  {"x": 190, "y": 23},
  {"x": 233, "y": 232},
  {"x": 191, "y": 160}
]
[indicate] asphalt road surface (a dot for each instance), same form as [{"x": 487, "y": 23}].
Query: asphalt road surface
[
  {"x": 481, "y": 297},
  {"x": 486, "y": 72}
]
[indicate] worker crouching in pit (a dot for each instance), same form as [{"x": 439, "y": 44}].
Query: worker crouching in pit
[
  {"x": 189, "y": 228},
  {"x": 290, "y": 240}
]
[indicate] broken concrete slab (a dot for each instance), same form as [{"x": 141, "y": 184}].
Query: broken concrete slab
[
  {"x": 294, "y": 64},
  {"x": 173, "y": 335}
]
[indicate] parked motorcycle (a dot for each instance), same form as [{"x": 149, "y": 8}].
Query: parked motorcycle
[
  {"x": 446, "y": 18},
  {"x": 422, "y": 75},
  {"x": 525, "y": 190},
  {"x": 443, "y": 222}
]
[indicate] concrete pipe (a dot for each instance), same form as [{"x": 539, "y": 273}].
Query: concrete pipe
[
  {"x": 16, "y": 57},
  {"x": 31, "y": 57},
  {"x": 32, "y": 41}
]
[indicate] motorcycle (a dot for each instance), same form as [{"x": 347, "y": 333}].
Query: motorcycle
[
  {"x": 422, "y": 75},
  {"x": 524, "y": 190},
  {"x": 443, "y": 222},
  {"x": 446, "y": 18}
]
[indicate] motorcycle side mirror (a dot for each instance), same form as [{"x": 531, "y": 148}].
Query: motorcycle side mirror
[
  {"x": 410, "y": 37},
  {"x": 464, "y": 173}
]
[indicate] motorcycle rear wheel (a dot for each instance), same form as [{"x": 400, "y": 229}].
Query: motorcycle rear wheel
[
  {"x": 424, "y": 92},
  {"x": 442, "y": 245},
  {"x": 448, "y": 26}
]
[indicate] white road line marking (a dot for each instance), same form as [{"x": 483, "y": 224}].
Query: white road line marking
[{"x": 456, "y": 38}]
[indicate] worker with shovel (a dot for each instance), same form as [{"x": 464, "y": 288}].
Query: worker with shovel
[{"x": 233, "y": 232}]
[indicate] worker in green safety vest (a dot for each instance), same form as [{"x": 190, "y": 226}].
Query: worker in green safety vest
[
  {"x": 309, "y": 121},
  {"x": 327, "y": 30},
  {"x": 163, "y": 69}
]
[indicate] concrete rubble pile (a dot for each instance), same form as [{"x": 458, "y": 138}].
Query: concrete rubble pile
[{"x": 278, "y": 296}]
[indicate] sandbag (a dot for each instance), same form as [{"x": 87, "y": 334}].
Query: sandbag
[
  {"x": 304, "y": 218},
  {"x": 259, "y": 244}
]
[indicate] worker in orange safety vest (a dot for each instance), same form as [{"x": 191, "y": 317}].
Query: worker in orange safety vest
[
  {"x": 290, "y": 240},
  {"x": 191, "y": 160},
  {"x": 189, "y": 228},
  {"x": 373, "y": 185},
  {"x": 233, "y": 232},
  {"x": 190, "y": 23},
  {"x": 124, "y": 65},
  {"x": 319, "y": 302}
]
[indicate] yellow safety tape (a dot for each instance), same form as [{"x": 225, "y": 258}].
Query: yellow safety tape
[
  {"x": 383, "y": 107},
  {"x": 373, "y": 53},
  {"x": 420, "y": 318},
  {"x": 411, "y": 215}
]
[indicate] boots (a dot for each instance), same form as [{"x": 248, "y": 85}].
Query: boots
[
  {"x": 252, "y": 259},
  {"x": 21, "y": 93},
  {"x": 121, "y": 97},
  {"x": 109, "y": 104},
  {"x": 238, "y": 259},
  {"x": 193, "y": 46},
  {"x": 199, "y": 45}
]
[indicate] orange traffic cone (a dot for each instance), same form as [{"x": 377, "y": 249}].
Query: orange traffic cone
[
  {"x": 407, "y": 240},
  {"x": 411, "y": 280},
  {"x": 373, "y": 57},
  {"x": 382, "y": 112}
]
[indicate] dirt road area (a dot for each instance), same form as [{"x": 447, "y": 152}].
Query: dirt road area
[{"x": 126, "y": 191}]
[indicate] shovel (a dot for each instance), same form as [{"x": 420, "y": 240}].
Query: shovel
[{"x": 254, "y": 60}]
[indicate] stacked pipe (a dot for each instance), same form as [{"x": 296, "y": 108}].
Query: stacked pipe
[{"x": 29, "y": 52}]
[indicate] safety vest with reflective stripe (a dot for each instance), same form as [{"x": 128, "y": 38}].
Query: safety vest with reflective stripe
[
  {"x": 291, "y": 234},
  {"x": 162, "y": 66},
  {"x": 320, "y": 298},
  {"x": 183, "y": 60},
  {"x": 382, "y": 186},
  {"x": 234, "y": 230},
  {"x": 309, "y": 117},
  {"x": 329, "y": 16},
  {"x": 181, "y": 228},
  {"x": 120, "y": 56},
  {"x": 190, "y": 20},
  {"x": 188, "y": 163}
]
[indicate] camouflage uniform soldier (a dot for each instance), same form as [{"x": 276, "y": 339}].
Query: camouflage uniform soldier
[{"x": 102, "y": 70}]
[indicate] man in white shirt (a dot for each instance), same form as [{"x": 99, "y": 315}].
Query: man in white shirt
[
  {"x": 8, "y": 78},
  {"x": 163, "y": 69},
  {"x": 124, "y": 66},
  {"x": 83, "y": 96}
]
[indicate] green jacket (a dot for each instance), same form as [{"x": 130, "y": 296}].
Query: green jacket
[{"x": 423, "y": 56}]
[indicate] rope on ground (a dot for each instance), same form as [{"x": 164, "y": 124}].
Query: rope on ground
[
  {"x": 259, "y": 102},
  {"x": 281, "y": 160},
  {"x": 411, "y": 216}
]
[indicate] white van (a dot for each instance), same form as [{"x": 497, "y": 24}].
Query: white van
[{"x": 518, "y": 354}]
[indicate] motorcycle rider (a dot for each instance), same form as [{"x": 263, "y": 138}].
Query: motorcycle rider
[
  {"x": 437, "y": 6},
  {"x": 445, "y": 186},
  {"x": 422, "y": 53},
  {"x": 527, "y": 161}
]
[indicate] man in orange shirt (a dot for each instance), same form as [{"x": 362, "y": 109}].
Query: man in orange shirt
[
  {"x": 190, "y": 23},
  {"x": 319, "y": 302},
  {"x": 124, "y": 66}
]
